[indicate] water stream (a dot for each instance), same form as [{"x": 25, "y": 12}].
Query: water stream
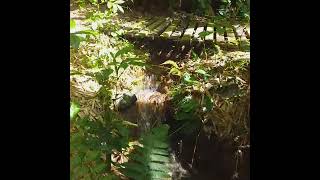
[
  {"x": 212, "y": 159},
  {"x": 149, "y": 109}
]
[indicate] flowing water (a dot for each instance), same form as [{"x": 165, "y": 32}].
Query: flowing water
[
  {"x": 211, "y": 159},
  {"x": 149, "y": 109}
]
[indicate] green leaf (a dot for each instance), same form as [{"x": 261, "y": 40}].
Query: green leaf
[
  {"x": 172, "y": 63},
  {"x": 103, "y": 75},
  {"x": 119, "y": 1},
  {"x": 175, "y": 71},
  {"x": 137, "y": 63},
  {"x": 161, "y": 130},
  {"x": 149, "y": 162},
  {"x": 124, "y": 51},
  {"x": 76, "y": 138},
  {"x": 92, "y": 155},
  {"x": 135, "y": 167},
  {"x": 100, "y": 168},
  {"x": 114, "y": 8},
  {"x": 106, "y": 178},
  {"x": 160, "y": 152},
  {"x": 120, "y": 9},
  {"x": 160, "y": 174},
  {"x": 75, "y": 40},
  {"x": 72, "y": 24},
  {"x": 157, "y": 166},
  {"x": 109, "y": 4},
  {"x": 202, "y": 72},
  {"x": 132, "y": 61},
  {"x": 194, "y": 55},
  {"x": 205, "y": 33},
  {"x": 187, "y": 78},
  {"x": 160, "y": 158},
  {"x": 74, "y": 110},
  {"x": 134, "y": 174},
  {"x": 161, "y": 145},
  {"x": 188, "y": 104},
  {"x": 112, "y": 55},
  {"x": 89, "y": 32},
  {"x": 82, "y": 171},
  {"x": 208, "y": 103},
  {"x": 220, "y": 30},
  {"x": 76, "y": 161},
  {"x": 123, "y": 65},
  {"x": 138, "y": 158}
]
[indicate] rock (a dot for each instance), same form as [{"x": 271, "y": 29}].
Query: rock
[
  {"x": 126, "y": 101},
  {"x": 228, "y": 91}
]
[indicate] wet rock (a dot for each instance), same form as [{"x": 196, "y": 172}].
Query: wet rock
[{"x": 126, "y": 101}]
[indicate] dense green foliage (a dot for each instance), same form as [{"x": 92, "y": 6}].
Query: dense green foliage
[
  {"x": 92, "y": 142},
  {"x": 202, "y": 94}
]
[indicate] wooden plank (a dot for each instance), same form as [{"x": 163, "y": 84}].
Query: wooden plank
[
  {"x": 200, "y": 28},
  {"x": 234, "y": 30},
  {"x": 140, "y": 24},
  {"x": 153, "y": 20},
  {"x": 209, "y": 29},
  {"x": 187, "y": 35},
  {"x": 157, "y": 31},
  {"x": 225, "y": 34},
  {"x": 180, "y": 29},
  {"x": 147, "y": 30},
  {"x": 220, "y": 37},
  {"x": 173, "y": 26},
  {"x": 231, "y": 35},
  {"x": 215, "y": 36},
  {"x": 156, "y": 24},
  {"x": 198, "y": 42},
  {"x": 185, "y": 42},
  {"x": 128, "y": 25}
]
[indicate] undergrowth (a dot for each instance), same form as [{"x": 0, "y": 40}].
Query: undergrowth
[
  {"x": 212, "y": 94},
  {"x": 209, "y": 93}
]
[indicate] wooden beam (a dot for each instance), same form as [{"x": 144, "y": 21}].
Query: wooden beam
[
  {"x": 180, "y": 29},
  {"x": 187, "y": 35},
  {"x": 173, "y": 26},
  {"x": 160, "y": 29},
  {"x": 200, "y": 28}
]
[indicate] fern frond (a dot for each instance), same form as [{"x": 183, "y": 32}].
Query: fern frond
[{"x": 150, "y": 161}]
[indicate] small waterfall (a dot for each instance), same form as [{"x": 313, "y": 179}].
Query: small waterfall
[{"x": 149, "y": 109}]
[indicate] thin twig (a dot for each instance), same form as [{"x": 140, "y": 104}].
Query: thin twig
[{"x": 195, "y": 148}]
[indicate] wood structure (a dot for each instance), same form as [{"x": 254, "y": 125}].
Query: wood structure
[{"x": 175, "y": 36}]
